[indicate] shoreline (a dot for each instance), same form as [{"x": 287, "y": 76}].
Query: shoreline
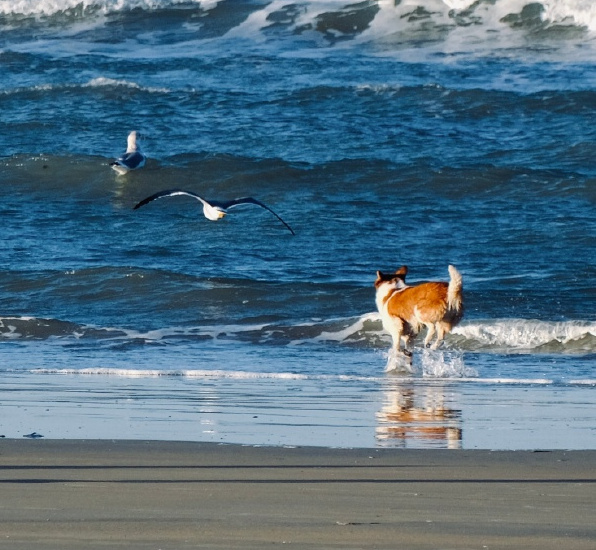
[
  {"x": 373, "y": 413},
  {"x": 154, "y": 494}
]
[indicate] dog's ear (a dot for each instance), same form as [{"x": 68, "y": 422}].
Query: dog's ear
[
  {"x": 379, "y": 278},
  {"x": 402, "y": 272}
]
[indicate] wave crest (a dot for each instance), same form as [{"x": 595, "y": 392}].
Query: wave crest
[
  {"x": 365, "y": 331},
  {"x": 522, "y": 335},
  {"x": 337, "y": 20},
  {"x": 82, "y": 8}
]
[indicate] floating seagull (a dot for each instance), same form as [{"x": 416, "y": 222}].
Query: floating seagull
[
  {"x": 132, "y": 159},
  {"x": 213, "y": 210}
]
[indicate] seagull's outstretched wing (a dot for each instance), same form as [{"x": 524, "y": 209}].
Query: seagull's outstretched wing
[
  {"x": 249, "y": 200},
  {"x": 224, "y": 205},
  {"x": 168, "y": 193}
]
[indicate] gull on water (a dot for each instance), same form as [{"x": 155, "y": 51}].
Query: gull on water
[
  {"x": 213, "y": 210},
  {"x": 132, "y": 159}
]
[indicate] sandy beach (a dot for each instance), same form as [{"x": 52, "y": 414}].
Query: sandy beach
[{"x": 63, "y": 494}]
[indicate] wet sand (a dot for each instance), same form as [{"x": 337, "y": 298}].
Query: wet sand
[{"x": 73, "y": 494}]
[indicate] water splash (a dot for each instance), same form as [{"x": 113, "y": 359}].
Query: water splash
[
  {"x": 444, "y": 364},
  {"x": 399, "y": 363}
]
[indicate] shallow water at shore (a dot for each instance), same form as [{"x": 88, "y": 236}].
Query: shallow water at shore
[
  {"x": 384, "y": 133},
  {"x": 335, "y": 411}
]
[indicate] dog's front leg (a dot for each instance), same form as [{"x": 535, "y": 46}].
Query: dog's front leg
[
  {"x": 400, "y": 359},
  {"x": 396, "y": 342},
  {"x": 396, "y": 329}
]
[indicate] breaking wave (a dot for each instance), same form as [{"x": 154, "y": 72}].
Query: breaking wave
[
  {"x": 387, "y": 23},
  {"x": 82, "y": 8},
  {"x": 489, "y": 336},
  {"x": 530, "y": 336}
]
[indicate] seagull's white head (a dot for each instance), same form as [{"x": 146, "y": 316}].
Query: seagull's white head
[{"x": 132, "y": 142}]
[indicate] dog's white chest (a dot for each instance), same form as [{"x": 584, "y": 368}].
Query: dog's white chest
[{"x": 384, "y": 292}]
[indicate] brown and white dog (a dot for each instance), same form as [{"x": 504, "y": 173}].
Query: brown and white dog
[{"x": 406, "y": 309}]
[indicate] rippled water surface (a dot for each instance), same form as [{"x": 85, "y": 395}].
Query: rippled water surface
[{"x": 422, "y": 133}]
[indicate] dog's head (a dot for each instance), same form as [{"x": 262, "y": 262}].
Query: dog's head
[{"x": 397, "y": 279}]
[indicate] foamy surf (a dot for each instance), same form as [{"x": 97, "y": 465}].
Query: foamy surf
[
  {"x": 496, "y": 335},
  {"x": 437, "y": 370},
  {"x": 578, "y": 12},
  {"x": 455, "y": 27},
  {"x": 83, "y": 8},
  {"x": 488, "y": 336},
  {"x": 527, "y": 335}
]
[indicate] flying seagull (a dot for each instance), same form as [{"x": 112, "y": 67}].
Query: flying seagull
[
  {"x": 132, "y": 159},
  {"x": 213, "y": 210}
]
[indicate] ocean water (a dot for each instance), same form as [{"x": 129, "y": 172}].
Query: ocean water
[{"x": 417, "y": 132}]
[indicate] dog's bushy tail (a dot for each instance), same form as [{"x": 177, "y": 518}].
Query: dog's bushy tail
[{"x": 454, "y": 292}]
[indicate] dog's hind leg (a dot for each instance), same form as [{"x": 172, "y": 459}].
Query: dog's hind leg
[
  {"x": 430, "y": 332},
  {"x": 441, "y": 330},
  {"x": 406, "y": 351}
]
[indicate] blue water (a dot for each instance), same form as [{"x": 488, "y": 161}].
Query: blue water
[{"x": 422, "y": 133}]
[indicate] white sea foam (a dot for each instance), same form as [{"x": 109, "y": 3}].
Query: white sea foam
[
  {"x": 464, "y": 27},
  {"x": 581, "y": 12},
  {"x": 440, "y": 375},
  {"x": 99, "y": 82},
  {"x": 577, "y": 12},
  {"x": 348, "y": 332},
  {"x": 182, "y": 373},
  {"x": 410, "y": 30},
  {"x": 51, "y": 7},
  {"x": 529, "y": 335},
  {"x": 492, "y": 335},
  {"x": 391, "y": 17},
  {"x": 509, "y": 335}
]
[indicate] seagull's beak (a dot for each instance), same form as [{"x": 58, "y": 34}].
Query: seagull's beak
[{"x": 221, "y": 215}]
